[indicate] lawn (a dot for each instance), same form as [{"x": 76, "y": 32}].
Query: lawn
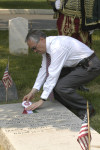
[
  {"x": 24, "y": 4},
  {"x": 24, "y": 69}
]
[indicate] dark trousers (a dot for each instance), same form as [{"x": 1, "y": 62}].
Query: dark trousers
[{"x": 72, "y": 78}]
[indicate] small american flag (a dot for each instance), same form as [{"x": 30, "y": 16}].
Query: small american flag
[
  {"x": 83, "y": 138},
  {"x": 7, "y": 80}
]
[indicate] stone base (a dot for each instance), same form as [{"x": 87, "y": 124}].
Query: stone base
[
  {"x": 12, "y": 92},
  {"x": 53, "y": 127}
]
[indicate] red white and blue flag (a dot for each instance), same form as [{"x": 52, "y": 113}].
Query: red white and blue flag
[
  {"x": 83, "y": 137},
  {"x": 7, "y": 80}
]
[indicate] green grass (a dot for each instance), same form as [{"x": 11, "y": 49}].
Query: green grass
[
  {"x": 24, "y": 69},
  {"x": 25, "y": 4}
]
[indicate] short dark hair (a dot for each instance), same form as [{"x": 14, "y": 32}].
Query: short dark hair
[{"x": 35, "y": 35}]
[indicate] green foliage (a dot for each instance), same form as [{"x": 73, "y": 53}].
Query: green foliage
[{"x": 25, "y": 4}]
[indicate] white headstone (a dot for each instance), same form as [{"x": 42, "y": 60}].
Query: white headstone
[{"x": 18, "y": 29}]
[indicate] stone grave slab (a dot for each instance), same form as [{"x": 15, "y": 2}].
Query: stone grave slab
[
  {"x": 12, "y": 92},
  {"x": 53, "y": 127},
  {"x": 18, "y": 29}
]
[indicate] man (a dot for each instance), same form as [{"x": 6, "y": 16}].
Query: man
[{"x": 65, "y": 52}]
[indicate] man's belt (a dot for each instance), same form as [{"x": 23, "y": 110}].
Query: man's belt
[
  {"x": 90, "y": 57},
  {"x": 85, "y": 62}
]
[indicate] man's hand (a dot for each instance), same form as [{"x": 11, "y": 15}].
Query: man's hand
[
  {"x": 30, "y": 95},
  {"x": 35, "y": 105}
]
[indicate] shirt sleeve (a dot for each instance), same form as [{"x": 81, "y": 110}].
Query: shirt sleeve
[
  {"x": 41, "y": 77},
  {"x": 58, "y": 58}
]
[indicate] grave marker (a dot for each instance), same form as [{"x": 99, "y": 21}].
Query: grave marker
[{"x": 18, "y": 29}]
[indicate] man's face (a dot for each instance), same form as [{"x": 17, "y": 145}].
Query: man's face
[{"x": 39, "y": 47}]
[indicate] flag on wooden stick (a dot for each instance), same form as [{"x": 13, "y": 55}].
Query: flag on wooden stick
[
  {"x": 84, "y": 137},
  {"x": 7, "y": 80}
]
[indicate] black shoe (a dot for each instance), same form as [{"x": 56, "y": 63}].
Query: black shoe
[
  {"x": 82, "y": 113},
  {"x": 83, "y": 88}
]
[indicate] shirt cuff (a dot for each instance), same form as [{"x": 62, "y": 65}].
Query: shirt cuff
[
  {"x": 43, "y": 99},
  {"x": 45, "y": 95}
]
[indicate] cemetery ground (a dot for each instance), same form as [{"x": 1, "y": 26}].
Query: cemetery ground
[
  {"x": 24, "y": 68},
  {"x": 24, "y": 4}
]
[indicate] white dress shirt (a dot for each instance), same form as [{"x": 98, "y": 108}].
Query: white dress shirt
[{"x": 65, "y": 51}]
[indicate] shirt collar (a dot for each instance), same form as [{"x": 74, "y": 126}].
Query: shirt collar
[{"x": 47, "y": 45}]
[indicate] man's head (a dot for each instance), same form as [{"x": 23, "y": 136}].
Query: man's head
[{"x": 36, "y": 41}]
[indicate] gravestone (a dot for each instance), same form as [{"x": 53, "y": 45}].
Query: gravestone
[
  {"x": 12, "y": 92},
  {"x": 18, "y": 29},
  {"x": 53, "y": 127}
]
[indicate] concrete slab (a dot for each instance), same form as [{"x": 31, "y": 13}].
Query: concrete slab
[{"x": 52, "y": 127}]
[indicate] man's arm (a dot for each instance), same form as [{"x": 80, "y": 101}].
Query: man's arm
[
  {"x": 38, "y": 83},
  {"x": 41, "y": 75},
  {"x": 58, "y": 57}
]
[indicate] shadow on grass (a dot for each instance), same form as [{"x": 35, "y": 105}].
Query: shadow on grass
[{"x": 24, "y": 5}]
